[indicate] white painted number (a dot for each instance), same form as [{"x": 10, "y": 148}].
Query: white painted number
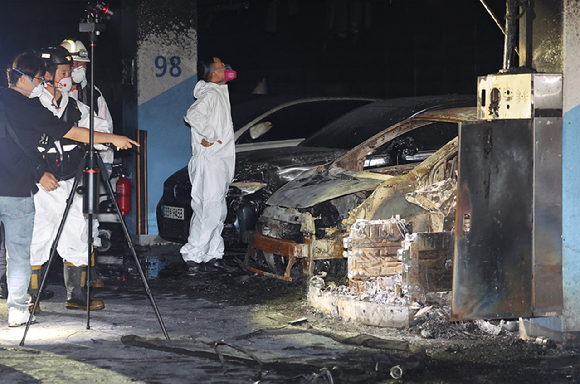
[{"x": 174, "y": 69}]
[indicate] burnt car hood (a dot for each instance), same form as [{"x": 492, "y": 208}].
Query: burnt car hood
[
  {"x": 335, "y": 180},
  {"x": 322, "y": 184},
  {"x": 273, "y": 167},
  {"x": 277, "y": 166}
]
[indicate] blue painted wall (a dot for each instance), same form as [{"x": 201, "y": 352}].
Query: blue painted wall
[
  {"x": 571, "y": 219},
  {"x": 168, "y": 140}
]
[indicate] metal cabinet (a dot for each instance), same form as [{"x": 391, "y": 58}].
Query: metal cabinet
[{"x": 508, "y": 246}]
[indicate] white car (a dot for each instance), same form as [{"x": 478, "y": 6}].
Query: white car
[{"x": 283, "y": 122}]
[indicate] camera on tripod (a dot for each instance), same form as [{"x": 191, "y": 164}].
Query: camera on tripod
[
  {"x": 96, "y": 13},
  {"x": 98, "y": 10}
]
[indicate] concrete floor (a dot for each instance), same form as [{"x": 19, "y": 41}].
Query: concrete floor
[{"x": 240, "y": 328}]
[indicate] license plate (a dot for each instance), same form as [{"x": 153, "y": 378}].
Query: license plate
[{"x": 173, "y": 212}]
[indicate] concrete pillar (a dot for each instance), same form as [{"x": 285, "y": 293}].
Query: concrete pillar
[
  {"x": 556, "y": 49},
  {"x": 159, "y": 76},
  {"x": 571, "y": 173}
]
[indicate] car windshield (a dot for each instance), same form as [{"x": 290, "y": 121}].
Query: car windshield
[
  {"x": 246, "y": 108},
  {"x": 411, "y": 147},
  {"x": 362, "y": 123},
  {"x": 302, "y": 119}
]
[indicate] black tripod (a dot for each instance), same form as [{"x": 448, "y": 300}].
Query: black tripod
[
  {"x": 101, "y": 171},
  {"x": 92, "y": 169}
]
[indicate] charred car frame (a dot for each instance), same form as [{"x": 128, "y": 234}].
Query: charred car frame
[{"x": 406, "y": 173}]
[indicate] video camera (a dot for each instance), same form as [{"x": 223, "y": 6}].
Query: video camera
[{"x": 96, "y": 12}]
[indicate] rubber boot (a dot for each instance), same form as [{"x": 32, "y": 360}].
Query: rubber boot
[
  {"x": 38, "y": 272},
  {"x": 34, "y": 288},
  {"x": 97, "y": 282},
  {"x": 75, "y": 279}
]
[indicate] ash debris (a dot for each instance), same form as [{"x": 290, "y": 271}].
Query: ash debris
[
  {"x": 380, "y": 290},
  {"x": 432, "y": 322},
  {"x": 432, "y": 311}
]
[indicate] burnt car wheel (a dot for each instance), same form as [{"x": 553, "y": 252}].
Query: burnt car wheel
[{"x": 275, "y": 263}]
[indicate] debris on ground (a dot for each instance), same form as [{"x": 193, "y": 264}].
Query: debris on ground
[{"x": 431, "y": 318}]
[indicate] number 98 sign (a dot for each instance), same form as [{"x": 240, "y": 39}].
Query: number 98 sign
[{"x": 162, "y": 64}]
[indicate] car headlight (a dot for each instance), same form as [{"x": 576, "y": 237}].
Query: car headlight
[{"x": 248, "y": 187}]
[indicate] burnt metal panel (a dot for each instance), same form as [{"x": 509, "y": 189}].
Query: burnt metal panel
[
  {"x": 548, "y": 38},
  {"x": 270, "y": 245},
  {"x": 492, "y": 269},
  {"x": 426, "y": 263},
  {"x": 373, "y": 247},
  {"x": 547, "y": 283}
]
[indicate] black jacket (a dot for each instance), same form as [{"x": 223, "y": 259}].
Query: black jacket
[{"x": 30, "y": 121}]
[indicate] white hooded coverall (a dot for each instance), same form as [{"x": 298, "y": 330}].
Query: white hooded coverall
[
  {"x": 211, "y": 170},
  {"x": 49, "y": 206}
]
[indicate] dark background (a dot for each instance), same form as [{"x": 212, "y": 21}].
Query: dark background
[
  {"x": 402, "y": 48},
  {"x": 386, "y": 48}
]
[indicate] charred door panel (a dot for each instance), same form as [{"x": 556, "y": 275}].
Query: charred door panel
[{"x": 492, "y": 269}]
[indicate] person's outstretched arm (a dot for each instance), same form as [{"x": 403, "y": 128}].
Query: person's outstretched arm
[{"x": 83, "y": 135}]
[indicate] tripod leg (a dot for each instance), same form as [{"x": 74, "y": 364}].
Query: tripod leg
[
  {"x": 95, "y": 282},
  {"x": 51, "y": 257},
  {"x": 90, "y": 251},
  {"x": 111, "y": 194}
]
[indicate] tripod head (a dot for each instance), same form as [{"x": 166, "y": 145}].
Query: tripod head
[
  {"x": 96, "y": 13},
  {"x": 99, "y": 9}
]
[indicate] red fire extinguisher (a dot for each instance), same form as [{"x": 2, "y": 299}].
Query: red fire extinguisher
[{"x": 124, "y": 194}]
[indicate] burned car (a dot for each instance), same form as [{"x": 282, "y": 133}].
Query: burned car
[
  {"x": 259, "y": 173},
  {"x": 398, "y": 182}
]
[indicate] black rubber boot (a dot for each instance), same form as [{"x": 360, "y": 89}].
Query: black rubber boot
[{"x": 75, "y": 279}]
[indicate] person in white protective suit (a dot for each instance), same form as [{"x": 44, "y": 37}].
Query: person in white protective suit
[
  {"x": 211, "y": 167},
  {"x": 51, "y": 200}
]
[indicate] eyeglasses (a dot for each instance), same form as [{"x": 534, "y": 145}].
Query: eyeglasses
[
  {"x": 22, "y": 73},
  {"x": 218, "y": 65},
  {"x": 224, "y": 66}
]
